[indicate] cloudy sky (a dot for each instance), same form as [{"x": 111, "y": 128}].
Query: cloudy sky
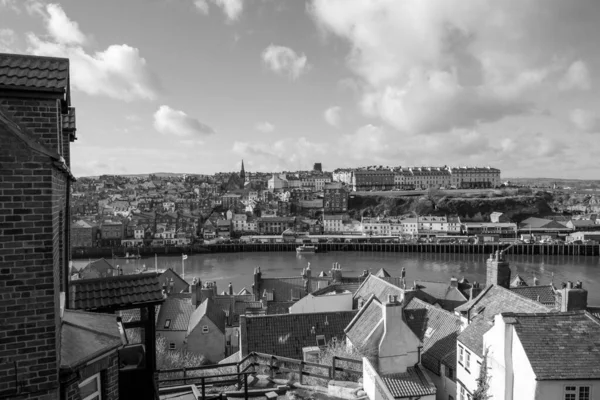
[{"x": 196, "y": 85}]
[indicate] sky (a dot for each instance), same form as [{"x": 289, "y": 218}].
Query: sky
[{"x": 195, "y": 86}]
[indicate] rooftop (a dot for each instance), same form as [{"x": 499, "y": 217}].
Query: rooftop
[
  {"x": 210, "y": 309},
  {"x": 413, "y": 384},
  {"x": 34, "y": 73},
  {"x": 177, "y": 309},
  {"x": 559, "y": 346},
  {"x": 125, "y": 291}
]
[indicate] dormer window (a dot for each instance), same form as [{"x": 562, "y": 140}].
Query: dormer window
[
  {"x": 167, "y": 324},
  {"x": 321, "y": 341}
]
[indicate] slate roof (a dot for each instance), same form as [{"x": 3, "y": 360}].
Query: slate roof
[
  {"x": 412, "y": 383},
  {"x": 448, "y": 296},
  {"x": 85, "y": 336},
  {"x": 559, "y": 346},
  {"x": 178, "y": 308},
  {"x": 125, "y": 291},
  {"x": 518, "y": 281},
  {"x": 365, "y": 325},
  {"x": 436, "y": 328},
  {"x": 542, "y": 293},
  {"x": 212, "y": 311},
  {"x": 377, "y": 286},
  {"x": 481, "y": 310},
  {"x": 337, "y": 288},
  {"x": 279, "y": 307},
  {"x": 179, "y": 284},
  {"x": 34, "y": 73},
  {"x": 286, "y": 334},
  {"x": 382, "y": 273},
  {"x": 594, "y": 310},
  {"x": 97, "y": 269}
]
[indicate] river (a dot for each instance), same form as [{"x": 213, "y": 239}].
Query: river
[{"x": 237, "y": 268}]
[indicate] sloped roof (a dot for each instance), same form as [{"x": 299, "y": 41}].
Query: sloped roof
[
  {"x": 101, "y": 266},
  {"x": 125, "y": 291},
  {"x": 365, "y": 322},
  {"x": 283, "y": 287},
  {"x": 179, "y": 284},
  {"x": 244, "y": 291},
  {"x": 518, "y": 281},
  {"x": 436, "y": 328},
  {"x": 542, "y": 293},
  {"x": 412, "y": 384},
  {"x": 382, "y": 273},
  {"x": 211, "y": 310},
  {"x": 286, "y": 334},
  {"x": 34, "y": 73},
  {"x": 447, "y": 295},
  {"x": 559, "y": 346},
  {"x": 178, "y": 308},
  {"x": 380, "y": 287},
  {"x": 85, "y": 336},
  {"x": 481, "y": 311}
]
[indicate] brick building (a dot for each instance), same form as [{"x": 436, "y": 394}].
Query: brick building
[
  {"x": 47, "y": 352},
  {"x": 274, "y": 225},
  {"x": 83, "y": 234},
  {"x": 335, "y": 198},
  {"x": 366, "y": 179},
  {"x": 111, "y": 233}
]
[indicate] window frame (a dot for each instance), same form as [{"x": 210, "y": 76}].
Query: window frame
[
  {"x": 467, "y": 360},
  {"x": 98, "y": 393},
  {"x": 461, "y": 351},
  {"x": 172, "y": 346},
  {"x": 576, "y": 392}
]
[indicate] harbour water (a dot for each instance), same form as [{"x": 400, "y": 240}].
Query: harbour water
[{"x": 237, "y": 268}]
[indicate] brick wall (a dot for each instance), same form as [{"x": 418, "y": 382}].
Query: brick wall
[
  {"x": 42, "y": 117},
  {"x": 29, "y": 265},
  {"x": 109, "y": 378}
]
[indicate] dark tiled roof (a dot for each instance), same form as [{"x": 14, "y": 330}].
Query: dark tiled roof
[
  {"x": 85, "y": 336},
  {"x": 286, "y": 334},
  {"x": 481, "y": 310},
  {"x": 543, "y": 294},
  {"x": 382, "y": 273},
  {"x": 365, "y": 325},
  {"x": 97, "y": 269},
  {"x": 337, "y": 288},
  {"x": 179, "y": 284},
  {"x": 214, "y": 313},
  {"x": 69, "y": 120},
  {"x": 178, "y": 308},
  {"x": 560, "y": 346},
  {"x": 125, "y": 291},
  {"x": 279, "y": 307},
  {"x": 34, "y": 73},
  {"x": 518, "y": 281},
  {"x": 412, "y": 383},
  {"x": 436, "y": 328}
]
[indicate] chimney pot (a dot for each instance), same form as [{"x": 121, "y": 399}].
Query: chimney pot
[
  {"x": 395, "y": 298},
  {"x": 390, "y": 298}
]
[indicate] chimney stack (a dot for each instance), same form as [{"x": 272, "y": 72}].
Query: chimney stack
[
  {"x": 398, "y": 344},
  {"x": 498, "y": 270},
  {"x": 454, "y": 282},
  {"x": 230, "y": 289},
  {"x": 573, "y": 297}
]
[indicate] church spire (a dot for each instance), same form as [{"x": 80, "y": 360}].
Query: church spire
[{"x": 243, "y": 172}]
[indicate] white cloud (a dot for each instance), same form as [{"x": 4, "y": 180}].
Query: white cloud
[
  {"x": 174, "y": 122},
  {"x": 585, "y": 120},
  {"x": 61, "y": 28},
  {"x": 285, "y": 61},
  {"x": 333, "y": 116},
  {"x": 429, "y": 66},
  {"x": 119, "y": 71},
  {"x": 576, "y": 77},
  {"x": 265, "y": 127},
  {"x": 231, "y": 8},
  {"x": 10, "y": 4}
]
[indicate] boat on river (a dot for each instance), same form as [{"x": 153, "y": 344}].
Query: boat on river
[{"x": 306, "y": 249}]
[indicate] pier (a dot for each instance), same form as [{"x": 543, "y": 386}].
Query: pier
[{"x": 451, "y": 248}]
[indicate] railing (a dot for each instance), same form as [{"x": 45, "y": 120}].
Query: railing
[{"x": 203, "y": 376}]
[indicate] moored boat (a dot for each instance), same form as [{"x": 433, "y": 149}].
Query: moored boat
[{"x": 306, "y": 248}]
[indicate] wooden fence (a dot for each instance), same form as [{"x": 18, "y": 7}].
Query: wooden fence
[{"x": 236, "y": 373}]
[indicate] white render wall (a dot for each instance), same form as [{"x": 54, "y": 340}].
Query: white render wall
[{"x": 326, "y": 303}]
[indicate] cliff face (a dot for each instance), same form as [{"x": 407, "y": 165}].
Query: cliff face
[{"x": 517, "y": 208}]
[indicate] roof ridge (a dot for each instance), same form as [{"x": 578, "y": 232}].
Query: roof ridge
[
  {"x": 12, "y": 55},
  {"x": 361, "y": 312},
  {"x": 431, "y": 306},
  {"x": 532, "y": 302}
]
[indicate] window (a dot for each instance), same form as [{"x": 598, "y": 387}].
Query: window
[
  {"x": 167, "y": 324},
  {"x": 172, "y": 346},
  {"x": 463, "y": 393},
  {"x": 205, "y": 329},
  {"x": 91, "y": 388},
  {"x": 321, "y": 340},
  {"x": 460, "y": 355},
  {"x": 468, "y": 360},
  {"x": 449, "y": 372},
  {"x": 577, "y": 393}
]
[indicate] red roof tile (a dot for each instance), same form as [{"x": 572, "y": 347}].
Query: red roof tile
[
  {"x": 126, "y": 291},
  {"x": 34, "y": 73}
]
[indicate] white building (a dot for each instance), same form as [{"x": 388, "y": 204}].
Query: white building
[
  {"x": 333, "y": 223},
  {"x": 552, "y": 356},
  {"x": 277, "y": 182},
  {"x": 376, "y": 227}
]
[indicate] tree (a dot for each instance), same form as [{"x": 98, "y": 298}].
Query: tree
[{"x": 483, "y": 381}]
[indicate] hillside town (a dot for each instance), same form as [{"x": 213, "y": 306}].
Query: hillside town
[
  {"x": 183, "y": 210},
  {"x": 103, "y": 333}
]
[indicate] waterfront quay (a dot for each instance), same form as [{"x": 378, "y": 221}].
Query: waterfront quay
[{"x": 452, "y": 248}]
